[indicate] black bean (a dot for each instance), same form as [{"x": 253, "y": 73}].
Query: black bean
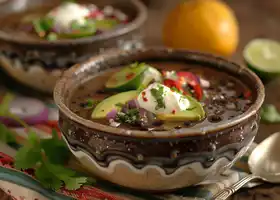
[{"x": 215, "y": 118}]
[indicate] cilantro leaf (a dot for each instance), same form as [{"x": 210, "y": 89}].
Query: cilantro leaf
[
  {"x": 59, "y": 175},
  {"x": 30, "y": 154},
  {"x": 270, "y": 114},
  {"x": 46, "y": 178},
  {"x": 158, "y": 95},
  {"x": 45, "y": 156},
  {"x": 52, "y": 146},
  {"x": 6, "y": 135},
  {"x": 74, "y": 183},
  {"x": 131, "y": 116}
]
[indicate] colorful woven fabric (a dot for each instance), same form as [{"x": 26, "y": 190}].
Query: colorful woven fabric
[{"x": 22, "y": 185}]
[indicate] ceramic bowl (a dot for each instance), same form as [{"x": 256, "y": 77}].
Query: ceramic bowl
[
  {"x": 156, "y": 161},
  {"x": 39, "y": 64}
]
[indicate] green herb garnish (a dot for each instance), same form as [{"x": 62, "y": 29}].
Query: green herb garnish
[
  {"x": 174, "y": 89},
  {"x": 158, "y": 95},
  {"x": 130, "y": 117},
  {"x": 90, "y": 103},
  {"x": 42, "y": 156},
  {"x": 6, "y": 136},
  {"x": 270, "y": 114},
  {"x": 46, "y": 156}
]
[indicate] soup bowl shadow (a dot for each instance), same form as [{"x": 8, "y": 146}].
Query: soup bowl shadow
[
  {"x": 160, "y": 160},
  {"x": 40, "y": 63}
]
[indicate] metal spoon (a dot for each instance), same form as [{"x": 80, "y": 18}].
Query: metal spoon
[{"x": 264, "y": 164}]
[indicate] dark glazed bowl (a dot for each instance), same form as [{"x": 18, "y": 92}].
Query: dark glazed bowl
[
  {"x": 40, "y": 63},
  {"x": 156, "y": 161}
]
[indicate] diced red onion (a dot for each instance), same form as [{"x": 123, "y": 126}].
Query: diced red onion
[
  {"x": 112, "y": 114},
  {"x": 204, "y": 83},
  {"x": 146, "y": 118},
  {"x": 114, "y": 123},
  {"x": 133, "y": 104},
  {"x": 125, "y": 108}
]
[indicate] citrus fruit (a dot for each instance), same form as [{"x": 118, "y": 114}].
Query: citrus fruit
[
  {"x": 202, "y": 25},
  {"x": 263, "y": 57}
]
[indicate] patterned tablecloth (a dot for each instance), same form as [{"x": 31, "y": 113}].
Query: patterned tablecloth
[{"x": 43, "y": 116}]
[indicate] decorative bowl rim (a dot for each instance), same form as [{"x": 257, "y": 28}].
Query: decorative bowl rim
[
  {"x": 60, "y": 92},
  {"x": 131, "y": 26}
]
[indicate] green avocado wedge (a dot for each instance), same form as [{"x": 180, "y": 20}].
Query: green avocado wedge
[
  {"x": 133, "y": 77},
  {"x": 195, "y": 113},
  {"x": 263, "y": 57},
  {"x": 110, "y": 103}
]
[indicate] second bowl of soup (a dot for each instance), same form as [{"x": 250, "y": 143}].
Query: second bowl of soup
[{"x": 41, "y": 39}]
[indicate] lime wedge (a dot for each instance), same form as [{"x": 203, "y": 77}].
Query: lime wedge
[{"x": 263, "y": 57}]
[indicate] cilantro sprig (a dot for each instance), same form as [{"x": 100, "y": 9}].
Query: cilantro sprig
[
  {"x": 46, "y": 156},
  {"x": 158, "y": 95}
]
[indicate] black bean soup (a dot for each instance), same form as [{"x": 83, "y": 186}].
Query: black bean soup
[
  {"x": 53, "y": 22},
  {"x": 224, "y": 97}
]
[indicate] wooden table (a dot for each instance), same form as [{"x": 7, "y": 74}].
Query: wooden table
[{"x": 257, "y": 18}]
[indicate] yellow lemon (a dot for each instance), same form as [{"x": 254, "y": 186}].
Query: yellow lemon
[{"x": 202, "y": 25}]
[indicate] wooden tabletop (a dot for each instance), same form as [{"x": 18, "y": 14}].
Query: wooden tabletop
[{"x": 257, "y": 18}]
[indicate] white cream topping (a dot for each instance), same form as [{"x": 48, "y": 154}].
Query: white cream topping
[
  {"x": 68, "y": 12},
  {"x": 173, "y": 101}
]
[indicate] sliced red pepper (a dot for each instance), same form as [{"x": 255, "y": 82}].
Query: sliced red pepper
[
  {"x": 171, "y": 83},
  {"x": 193, "y": 81},
  {"x": 247, "y": 94},
  {"x": 95, "y": 14},
  {"x": 130, "y": 76}
]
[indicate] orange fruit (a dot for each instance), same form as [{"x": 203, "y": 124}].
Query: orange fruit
[{"x": 202, "y": 25}]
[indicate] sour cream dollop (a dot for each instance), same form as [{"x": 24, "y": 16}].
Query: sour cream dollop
[
  {"x": 172, "y": 101},
  {"x": 65, "y": 14}
]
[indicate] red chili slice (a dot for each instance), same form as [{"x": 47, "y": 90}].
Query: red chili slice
[
  {"x": 247, "y": 94},
  {"x": 171, "y": 83},
  {"x": 95, "y": 14},
  {"x": 130, "y": 76},
  {"x": 193, "y": 81}
]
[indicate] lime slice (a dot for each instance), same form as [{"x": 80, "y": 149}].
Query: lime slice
[
  {"x": 132, "y": 77},
  {"x": 263, "y": 57}
]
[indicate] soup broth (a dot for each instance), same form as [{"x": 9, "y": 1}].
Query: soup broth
[{"x": 224, "y": 97}]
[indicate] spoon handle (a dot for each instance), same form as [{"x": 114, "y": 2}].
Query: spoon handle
[{"x": 226, "y": 192}]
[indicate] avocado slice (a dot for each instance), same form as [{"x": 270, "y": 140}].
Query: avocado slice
[
  {"x": 195, "y": 113},
  {"x": 132, "y": 77},
  {"x": 110, "y": 103}
]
